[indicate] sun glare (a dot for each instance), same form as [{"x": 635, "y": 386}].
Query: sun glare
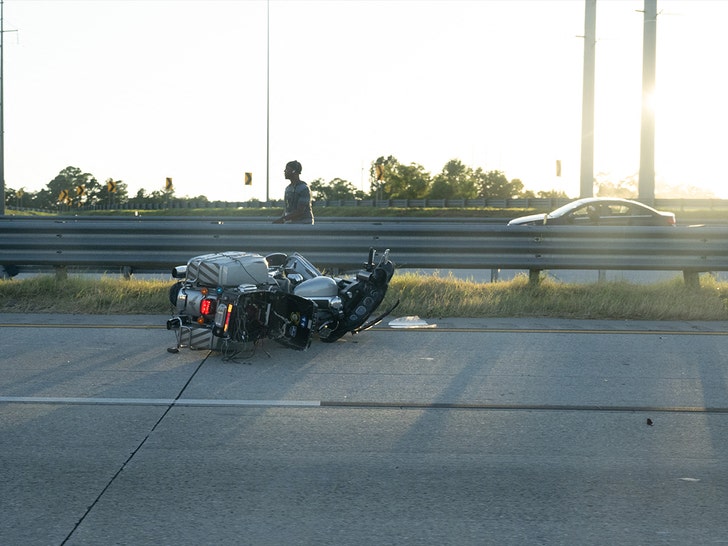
[{"x": 650, "y": 101}]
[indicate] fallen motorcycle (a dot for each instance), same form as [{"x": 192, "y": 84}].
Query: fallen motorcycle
[{"x": 231, "y": 298}]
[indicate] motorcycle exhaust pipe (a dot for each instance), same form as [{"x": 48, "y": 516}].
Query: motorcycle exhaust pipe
[{"x": 179, "y": 272}]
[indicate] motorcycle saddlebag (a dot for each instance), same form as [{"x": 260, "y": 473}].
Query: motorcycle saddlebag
[{"x": 227, "y": 269}]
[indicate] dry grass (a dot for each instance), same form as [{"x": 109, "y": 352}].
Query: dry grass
[
  {"x": 78, "y": 295},
  {"x": 433, "y": 296},
  {"x": 426, "y": 296}
]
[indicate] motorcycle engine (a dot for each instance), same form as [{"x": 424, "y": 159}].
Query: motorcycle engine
[{"x": 324, "y": 292}]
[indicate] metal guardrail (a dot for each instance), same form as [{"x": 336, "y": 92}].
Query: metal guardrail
[
  {"x": 155, "y": 244},
  {"x": 539, "y": 203}
]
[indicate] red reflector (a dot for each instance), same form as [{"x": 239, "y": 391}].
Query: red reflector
[
  {"x": 227, "y": 317},
  {"x": 207, "y": 307}
]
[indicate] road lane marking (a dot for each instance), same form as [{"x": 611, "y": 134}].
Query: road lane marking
[
  {"x": 554, "y": 331},
  {"x": 64, "y": 400},
  {"x": 363, "y": 404}
]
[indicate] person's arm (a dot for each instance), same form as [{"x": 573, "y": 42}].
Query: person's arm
[{"x": 288, "y": 217}]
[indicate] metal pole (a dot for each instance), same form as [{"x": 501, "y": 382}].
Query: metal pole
[
  {"x": 647, "y": 138},
  {"x": 267, "y": 110},
  {"x": 586, "y": 185},
  {"x": 2, "y": 119}
]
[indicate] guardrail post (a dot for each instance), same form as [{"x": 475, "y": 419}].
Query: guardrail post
[
  {"x": 127, "y": 271},
  {"x": 691, "y": 278},
  {"x": 61, "y": 272},
  {"x": 534, "y": 277}
]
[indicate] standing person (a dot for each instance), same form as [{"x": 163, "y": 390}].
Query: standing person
[{"x": 297, "y": 197}]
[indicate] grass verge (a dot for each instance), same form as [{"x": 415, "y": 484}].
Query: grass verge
[
  {"x": 668, "y": 300},
  {"x": 425, "y": 296}
]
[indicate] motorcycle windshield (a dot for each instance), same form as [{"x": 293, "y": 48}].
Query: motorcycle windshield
[{"x": 298, "y": 264}]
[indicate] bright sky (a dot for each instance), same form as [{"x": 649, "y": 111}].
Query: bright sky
[{"x": 141, "y": 90}]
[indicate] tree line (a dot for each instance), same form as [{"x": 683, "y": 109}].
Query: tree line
[
  {"x": 389, "y": 178},
  {"x": 72, "y": 187}
]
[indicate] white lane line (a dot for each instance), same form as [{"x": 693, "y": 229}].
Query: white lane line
[
  {"x": 282, "y": 403},
  {"x": 155, "y": 401}
]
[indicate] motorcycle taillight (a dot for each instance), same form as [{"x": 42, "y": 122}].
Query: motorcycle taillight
[{"x": 208, "y": 306}]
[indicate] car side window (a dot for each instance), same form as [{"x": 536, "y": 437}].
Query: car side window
[
  {"x": 585, "y": 215},
  {"x": 577, "y": 215},
  {"x": 639, "y": 216},
  {"x": 615, "y": 210}
]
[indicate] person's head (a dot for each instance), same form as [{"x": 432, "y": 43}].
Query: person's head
[{"x": 293, "y": 170}]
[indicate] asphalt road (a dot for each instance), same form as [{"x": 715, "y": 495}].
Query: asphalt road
[{"x": 465, "y": 432}]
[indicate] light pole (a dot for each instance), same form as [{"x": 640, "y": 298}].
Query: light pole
[
  {"x": 2, "y": 120},
  {"x": 646, "y": 184},
  {"x": 267, "y": 109},
  {"x": 586, "y": 185}
]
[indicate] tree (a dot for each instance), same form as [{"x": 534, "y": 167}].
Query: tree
[
  {"x": 71, "y": 187},
  {"x": 156, "y": 197},
  {"x": 408, "y": 182},
  {"x": 551, "y": 194},
  {"x": 14, "y": 197},
  {"x": 399, "y": 181},
  {"x": 454, "y": 182},
  {"x": 336, "y": 189},
  {"x": 381, "y": 171},
  {"x": 113, "y": 192},
  {"x": 495, "y": 185}
]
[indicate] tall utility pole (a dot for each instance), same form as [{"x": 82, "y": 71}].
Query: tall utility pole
[
  {"x": 586, "y": 185},
  {"x": 647, "y": 138},
  {"x": 267, "y": 109},
  {"x": 2, "y": 119}
]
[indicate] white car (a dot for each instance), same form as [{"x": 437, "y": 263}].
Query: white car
[{"x": 600, "y": 211}]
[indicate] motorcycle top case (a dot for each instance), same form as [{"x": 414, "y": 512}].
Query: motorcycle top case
[{"x": 228, "y": 269}]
